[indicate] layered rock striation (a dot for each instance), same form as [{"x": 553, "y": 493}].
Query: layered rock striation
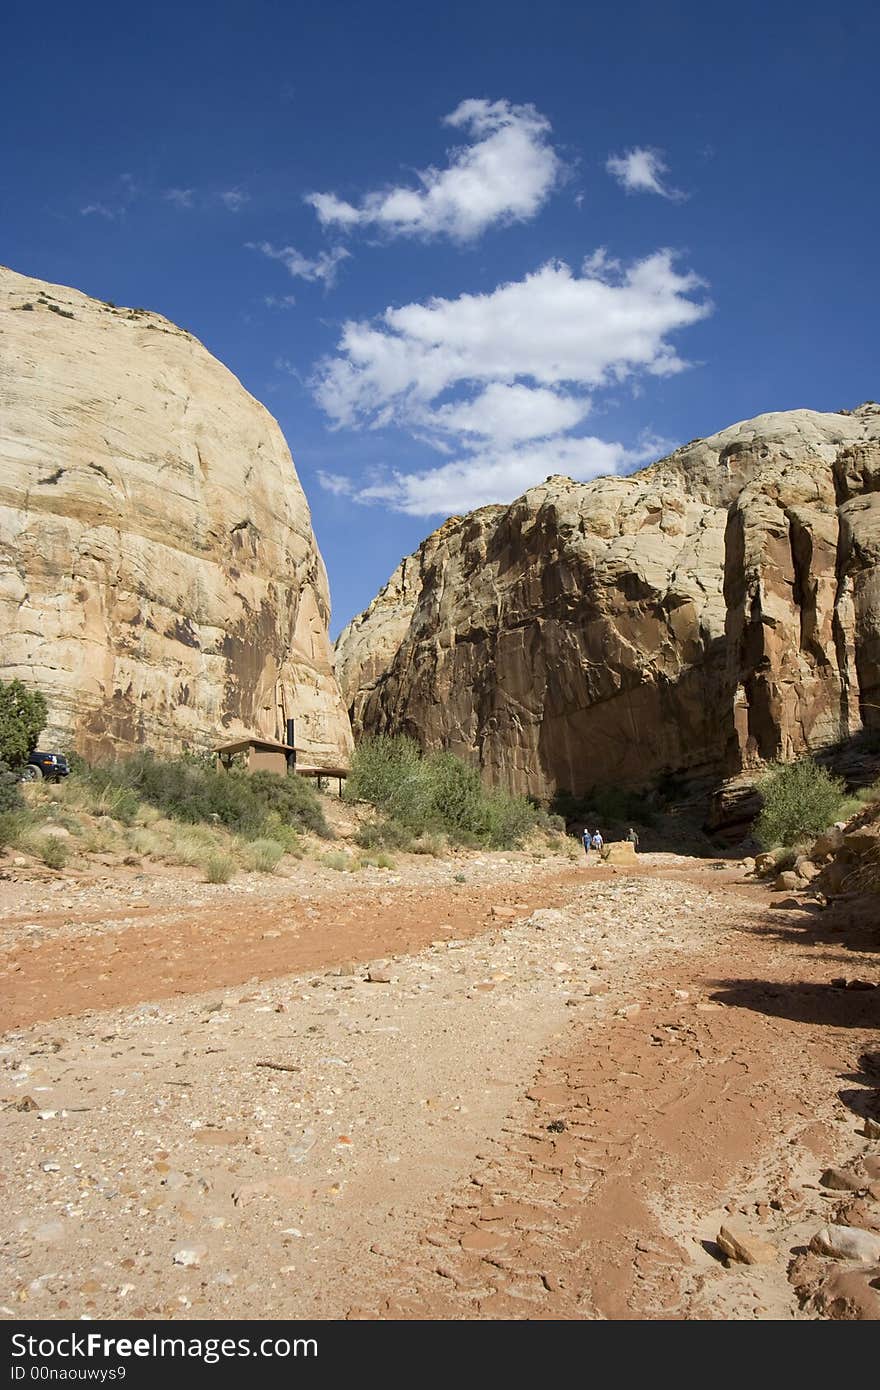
[
  {"x": 719, "y": 609},
  {"x": 159, "y": 579}
]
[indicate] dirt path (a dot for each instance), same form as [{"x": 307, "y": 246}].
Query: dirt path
[
  {"x": 130, "y": 953},
  {"x": 539, "y": 1106}
]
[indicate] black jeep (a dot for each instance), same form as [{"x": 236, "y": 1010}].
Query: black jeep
[{"x": 52, "y": 766}]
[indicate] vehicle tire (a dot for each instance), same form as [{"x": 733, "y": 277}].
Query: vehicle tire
[{"x": 32, "y": 773}]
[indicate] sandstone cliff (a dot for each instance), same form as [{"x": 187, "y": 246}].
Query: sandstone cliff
[
  {"x": 159, "y": 579},
  {"x": 715, "y": 610}
]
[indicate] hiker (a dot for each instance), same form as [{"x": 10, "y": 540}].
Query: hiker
[
  {"x": 587, "y": 841},
  {"x": 633, "y": 838},
  {"x": 597, "y": 842}
]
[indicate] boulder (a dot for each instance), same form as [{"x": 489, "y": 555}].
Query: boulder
[
  {"x": 827, "y": 843},
  {"x": 806, "y": 869},
  {"x": 740, "y": 1246},
  {"x": 864, "y": 840},
  {"x": 788, "y": 881},
  {"x": 620, "y": 852},
  {"x": 847, "y": 1243}
]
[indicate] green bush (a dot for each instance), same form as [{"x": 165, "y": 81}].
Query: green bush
[
  {"x": 10, "y": 796},
  {"x": 380, "y": 767},
  {"x": 191, "y": 789},
  {"x": 23, "y": 715},
  {"x": 456, "y": 795},
  {"x": 508, "y": 819},
  {"x": 11, "y": 826},
  {"x": 800, "y": 799},
  {"x": 422, "y": 798}
]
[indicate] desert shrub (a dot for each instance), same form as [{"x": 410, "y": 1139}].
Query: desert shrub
[
  {"x": 284, "y": 835},
  {"x": 507, "y": 819},
  {"x": 263, "y": 856},
  {"x": 219, "y": 868},
  {"x": 147, "y": 842},
  {"x": 370, "y": 835},
  {"x": 14, "y": 825},
  {"x": 337, "y": 860},
  {"x": 800, "y": 799},
  {"x": 386, "y": 833},
  {"x": 380, "y": 766},
  {"x": 457, "y": 799},
  {"x": 423, "y": 797},
  {"x": 99, "y": 839},
  {"x": 23, "y": 715},
  {"x": 866, "y": 796},
  {"x": 194, "y": 790},
  {"x": 95, "y": 794},
  {"x": 374, "y": 861},
  {"x": 429, "y": 843},
  {"x": 10, "y": 796},
  {"x": 52, "y": 850},
  {"x": 292, "y": 799},
  {"x": 192, "y": 846}
]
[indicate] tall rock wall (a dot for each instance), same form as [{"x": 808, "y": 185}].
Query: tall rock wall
[
  {"x": 720, "y": 608},
  {"x": 159, "y": 579}
]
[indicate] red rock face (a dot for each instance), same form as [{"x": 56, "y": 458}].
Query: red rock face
[{"x": 719, "y": 609}]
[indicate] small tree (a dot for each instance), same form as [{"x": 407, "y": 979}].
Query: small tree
[
  {"x": 23, "y": 715},
  {"x": 800, "y": 799}
]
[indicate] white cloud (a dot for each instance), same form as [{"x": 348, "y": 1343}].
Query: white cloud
[
  {"x": 102, "y": 210},
  {"x": 279, "y": 301},
  {"x": 501, "y": 382},
  {"x": 234, "y": 199},
  {"x": 641, "y": 171},
  {"x": 506, "y": 413},
  {"x": 505, "y": 174},
  {"x": 180, "y": 197},
  {"x": 493, "y": 475},
  {"x": 324, "y": 267},
  {"x": 552, "y": 329},
  {"x": 336, "y": 483}
]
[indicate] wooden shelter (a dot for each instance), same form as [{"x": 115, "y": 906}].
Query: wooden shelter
[
  {"x": 258, "y": 755},
  {"x": 322, "y": 774},
  {"x": 265, "y": 755}
]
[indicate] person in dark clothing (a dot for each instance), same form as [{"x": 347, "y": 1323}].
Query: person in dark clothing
[
  {"x": 587, "y": 839},
  {"x": 633, "y": 838}
]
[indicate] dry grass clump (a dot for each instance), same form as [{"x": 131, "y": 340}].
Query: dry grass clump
[
  {"x": 337, "y": 860},
  {"x": 219, "y": 868},
  {"x": 262, "y": 856}
]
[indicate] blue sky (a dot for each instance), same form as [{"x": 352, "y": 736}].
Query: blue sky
[{"x": 455, "y": 250}]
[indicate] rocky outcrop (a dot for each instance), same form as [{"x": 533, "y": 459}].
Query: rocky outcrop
[
  {"x": 159, "y": 579},
  {"x": 713, "y": 611}
]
